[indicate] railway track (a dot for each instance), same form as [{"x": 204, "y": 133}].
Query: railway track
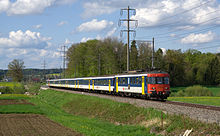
[{"x": 215, "y": 108}]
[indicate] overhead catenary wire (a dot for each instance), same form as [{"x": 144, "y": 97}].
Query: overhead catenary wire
[
  {"x": 191, "y": 32},
  {"x": 183, "y": 12},
  {"x": 208, "y": 47},
  {"x": 175, "y": 23},
  {"x": 187, "y": 27}
]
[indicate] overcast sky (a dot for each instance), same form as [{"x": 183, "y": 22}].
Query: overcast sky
[{"x": 32, "y": 30}]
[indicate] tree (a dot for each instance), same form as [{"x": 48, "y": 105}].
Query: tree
[
  {"x": 159, "y": 61},
  {"x": 94, "y": 57},
  {"x": 144, "y": 55},
  {"x": 175, "y": 67},
  {"x": 133, "y": 56},
  {"x": 15, "y": 69}
]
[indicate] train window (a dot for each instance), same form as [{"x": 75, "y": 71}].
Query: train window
[
  {"x": 133, "y": 80},
  {"x": 126, "y": 81},
  {"x": 139, "y": 80},
  {"x": 166, "y": 80},
  {"x": 123, "y": 81},
  {"x": 151, "y": 80},
  {"x": 159, "y": 80},
  {"x": 120, "y": 79},
  {"x": 106, "y": 82}
]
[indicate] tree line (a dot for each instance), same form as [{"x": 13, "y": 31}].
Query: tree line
[{"x": 106, "y": 57}]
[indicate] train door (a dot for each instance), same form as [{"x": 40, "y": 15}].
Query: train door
[
  {"x": 128, "y": 83},
  {"x": 114, "y": 84},
  {"x": 115, "y": 80},
  {"x": 145, "y": 86}
]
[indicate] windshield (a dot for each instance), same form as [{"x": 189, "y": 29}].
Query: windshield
[
  {"x": 158, "y": 80},
  {"x": 166, "y": 80}
]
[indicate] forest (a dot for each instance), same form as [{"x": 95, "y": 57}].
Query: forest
[{"x": 108, "y": 56}]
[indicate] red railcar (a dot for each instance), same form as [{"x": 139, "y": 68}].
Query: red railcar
[{"x": 158, "y": 85}]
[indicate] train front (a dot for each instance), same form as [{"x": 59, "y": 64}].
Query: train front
[{"x": 158, "y": 85}]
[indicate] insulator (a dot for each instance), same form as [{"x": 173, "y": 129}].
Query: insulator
[
  {"x": 121, "y": 34},
  {"x": 134, "y": 13},
  {"x": 119, "y": 23},
  {"x": 136, "y": 24},
  {"x": 134, "y": 35}
]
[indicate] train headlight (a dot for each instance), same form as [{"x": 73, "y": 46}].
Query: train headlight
[
  {"x": 153, "y": 88},
  {"x": 166, "y": 87}
]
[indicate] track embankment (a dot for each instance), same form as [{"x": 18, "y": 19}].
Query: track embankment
[{"x": 210, "y": 114}]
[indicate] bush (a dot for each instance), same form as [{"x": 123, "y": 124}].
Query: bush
[
  {"x": 15, "y": 89},
  {"x": 197, "y": 90},
  {"x": 6, "y": 90},
  {"x": 180, "y": 93},
  {"x": 33, "y": 87},
  {"x": 19, "y": 89},
  {"x": 218, "y": 94}
]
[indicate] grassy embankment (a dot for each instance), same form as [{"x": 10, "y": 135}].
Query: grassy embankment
[
  {"x": 96, "y": 116},
  {"x": 206, "y": 100}
]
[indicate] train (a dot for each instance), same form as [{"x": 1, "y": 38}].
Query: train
[{"x": 149, "y": 85}]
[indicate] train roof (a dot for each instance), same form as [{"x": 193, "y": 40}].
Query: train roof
[{"x": 112, "y": 76}]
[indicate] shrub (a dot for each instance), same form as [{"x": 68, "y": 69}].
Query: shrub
[
  {"x": 218, "y": 94},
  {"x": 19, "y": 89},
  {"x": 197, "y": 90},
  {"x": 6, "y": 90},
  {"x": 34, "y": 87},
  {"x": 180, "y": 93}
]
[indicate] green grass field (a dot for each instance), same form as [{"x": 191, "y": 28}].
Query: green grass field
[
  {"x": 91, "y": 115},
  {"x": 215, "y": 101},
  {"x": 215, "y": 90},
  {"x": 10, "y": 84},
  {"x": 97, "y": 116},
  {"x": 14, "y": 96},
  {"x": 52, "y": 104},
  {"x": 14, "y": 108}
]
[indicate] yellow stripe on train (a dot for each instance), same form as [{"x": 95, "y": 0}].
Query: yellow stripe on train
[
  {"x": 109, "y": 85},
  {"x": 116, "y": 84},
  {"x": 143, "y": 85}
]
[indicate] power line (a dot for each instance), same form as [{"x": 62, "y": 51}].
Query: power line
[
  {"x": 128, "y": 20},
  {"x": 183, "y": 12},
  {"x": 190, "y": 26},
  {"x": 208, "y": 47},
  {"x": 175, "y": 23},
  {"x": 195, "y": 32},
  {"x": 184, "y": 28}
]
